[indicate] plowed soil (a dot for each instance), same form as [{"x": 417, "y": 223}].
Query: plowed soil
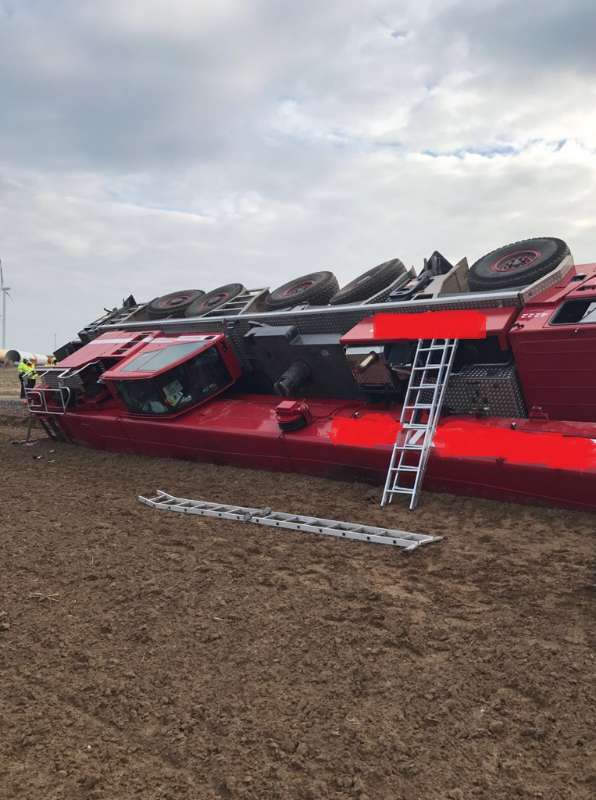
[
  {"x": 149, "y": 655},
  {"x": 9, "y": 382}
]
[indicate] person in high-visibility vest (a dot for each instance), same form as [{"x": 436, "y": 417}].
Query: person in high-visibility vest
[
  {"x": 31, "y": 375},
  {"x": 22, "y": 370}
]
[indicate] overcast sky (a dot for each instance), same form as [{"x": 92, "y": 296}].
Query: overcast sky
[{"x": 154, "y": 145}]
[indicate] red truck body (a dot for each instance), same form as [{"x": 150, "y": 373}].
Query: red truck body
[{"x": 546, "y": 455}]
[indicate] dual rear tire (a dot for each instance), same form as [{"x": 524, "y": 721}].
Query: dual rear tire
[
  {"x": 192, "y": 302},
  {"x": 322, "y": 288},
  {"x": 173, "y": 304},
  {"x": 512, "y": 266}
]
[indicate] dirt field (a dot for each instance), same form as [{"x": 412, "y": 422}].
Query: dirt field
[
  {"x": 146, "y": 655},
  {"x": 9, "y": 382}
]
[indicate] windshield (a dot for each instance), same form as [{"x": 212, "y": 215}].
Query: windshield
[
  {"x": 180, "y": 388},
  {"x": 155, "y": 360}
]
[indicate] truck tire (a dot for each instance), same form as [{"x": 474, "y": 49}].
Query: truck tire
[
  {"x": 315, "y": 289},
  {"x": 517, "y": 264},
  {"x": 213, "y": 299},
  {"x": 369, "y": 283},
  {"x": 173, "y": 304}
]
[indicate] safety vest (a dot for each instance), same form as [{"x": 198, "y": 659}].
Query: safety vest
[{"x": 22, "y": 368}]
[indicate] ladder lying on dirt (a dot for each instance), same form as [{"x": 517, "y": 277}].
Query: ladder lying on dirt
[
  {"x": 419, "y": 416},
  {"x": 276, "y": 519}
]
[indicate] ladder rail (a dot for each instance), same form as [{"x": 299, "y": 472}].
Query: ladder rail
[
  {"x": 426, "y": 454},
  {"x": 417, "y": 406},
  {"x": 409, "y": 387},
  {"x": 434, "y": 413},
  {"x": 446, "y": 363},
  {"x": 427, "y": 386},
  {"x": 372, "y": 534}
]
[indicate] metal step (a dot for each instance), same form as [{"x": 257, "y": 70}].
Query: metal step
[
  {"x": 52, "y": 429},
  {"x": 240, "y": 304},
  {"x": 276, "y": 519},
  {"x": 410, "y": 429},
  {"x": 49, "y": 430},
  {"x": 439, "y": 348}
]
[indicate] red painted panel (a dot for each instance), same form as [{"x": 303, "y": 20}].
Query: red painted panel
[
  {"x": 196, "y": 342},
  {"x": 567, "y": 284},
  {"x": 105, "y": 430},
  {"x": 108, "y": 345},
  {"x": 556, "y": 364},
  {"x": 430, "y": 325},
  {"x": 389, "y": 327},
  {"x": 552, "y": 462},
  {"x": 469, "y": 439}
]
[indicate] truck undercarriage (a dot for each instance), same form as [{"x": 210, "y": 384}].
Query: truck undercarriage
[{"x": 319, "y": 380}]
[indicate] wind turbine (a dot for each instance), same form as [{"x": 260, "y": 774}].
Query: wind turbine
[{"x": 4, "y": 290}]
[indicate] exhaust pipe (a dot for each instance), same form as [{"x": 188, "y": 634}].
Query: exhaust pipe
[{"x": 293, "y": 379}]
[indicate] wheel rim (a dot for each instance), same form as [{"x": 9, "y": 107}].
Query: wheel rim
[
  {"x": 514, "y": 261},
  {"x": 169, "y": 302},
  {"x": 297, "y": 288},
  {"x": 175, "y": 301},
  {"x": 214, "y": 299},
  {"x": 217, "y": 299}
]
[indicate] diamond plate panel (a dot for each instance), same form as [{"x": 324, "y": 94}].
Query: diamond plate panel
[{"x": 491, "y": 389}]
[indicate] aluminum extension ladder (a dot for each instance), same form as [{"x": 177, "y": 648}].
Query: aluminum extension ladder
[
  {"x": 419, "y": 417},
  {"x": 294, "y": 522}
]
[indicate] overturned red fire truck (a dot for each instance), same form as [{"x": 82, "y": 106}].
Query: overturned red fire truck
[{"x": 481, "y": 379}]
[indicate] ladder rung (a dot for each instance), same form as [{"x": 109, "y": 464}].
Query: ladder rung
[
  {"x": 410, "y": 434},
  {"x": 277, "y": 519}
]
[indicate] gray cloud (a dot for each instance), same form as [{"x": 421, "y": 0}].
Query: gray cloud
[
  {"x": 518, "y": 38},
  {"x": 147, "y": 146}
]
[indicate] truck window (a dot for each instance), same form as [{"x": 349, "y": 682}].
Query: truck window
[
  {"x": 576, "y": 312},
  {"x": 154, "y": 360},
  {"x": 179, "y": 388}
]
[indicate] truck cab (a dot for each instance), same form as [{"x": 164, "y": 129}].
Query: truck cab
[
  {"x": 142, "y": 374},
  {"x": 172, "y": 374}
]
